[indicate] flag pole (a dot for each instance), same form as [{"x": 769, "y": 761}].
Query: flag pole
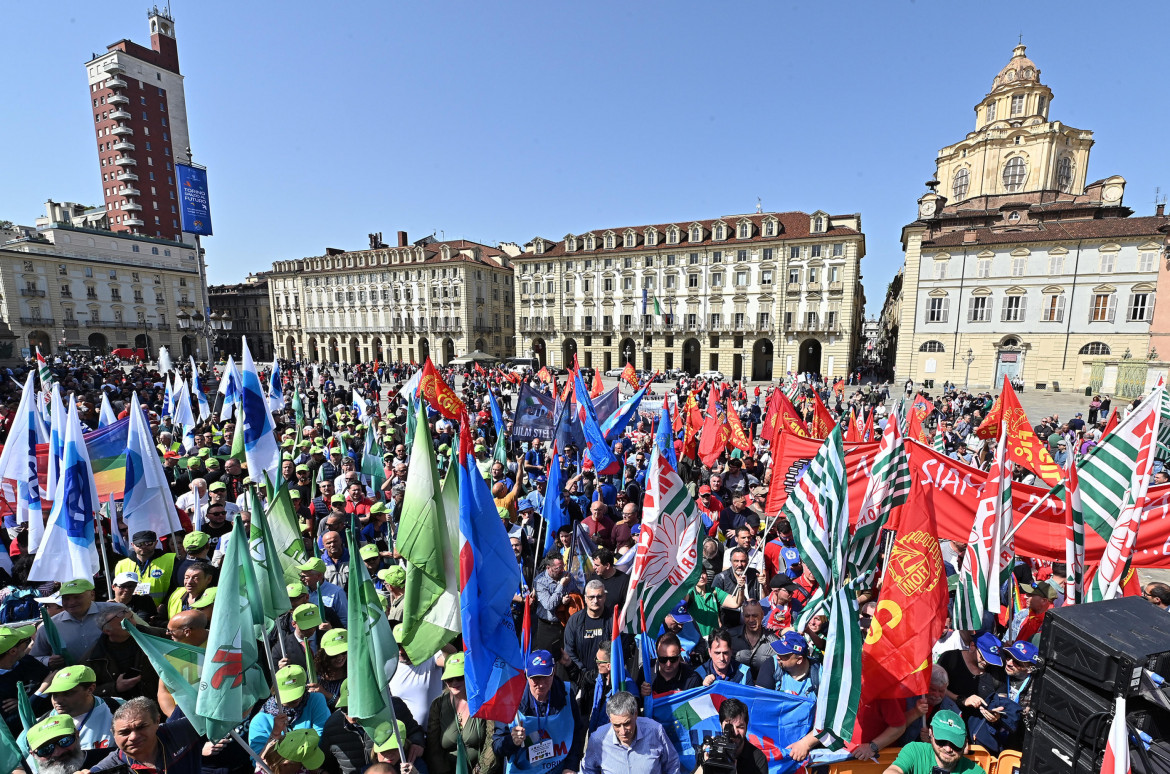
[
  {"x": 102, "y": 559},
  {"x": 260, "y": 764}
]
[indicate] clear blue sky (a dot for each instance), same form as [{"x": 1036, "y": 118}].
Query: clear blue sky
[{"x": 321, "y": 123}]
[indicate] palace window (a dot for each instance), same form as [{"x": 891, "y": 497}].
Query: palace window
[
  {"x": 937, "y": 311},
  {"x": 1104, "y": 307},
  {"x": 1053, "y": 308},
  {"x": 932, "y": 346},
  {"x": 1014, "y": 308},
  {"x": 1095, "y": 348},
  {"x": 979, "y": 309},
  {"x": 1140, "y": 307},
  {"x": 960, "y": 183},
  {"x": 1014, "y": 174}
]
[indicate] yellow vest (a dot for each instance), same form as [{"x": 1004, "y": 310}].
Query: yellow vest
[{"x": 157, "y": 577}]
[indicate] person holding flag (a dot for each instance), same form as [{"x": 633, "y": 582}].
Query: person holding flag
[{"x": 548, "y": 734}]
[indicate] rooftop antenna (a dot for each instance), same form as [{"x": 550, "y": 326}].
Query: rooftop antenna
[
  {"x": 759, "y": 205},
  {"x": 1021, "y": 39},
  {"x": 1159, "y": 197}
]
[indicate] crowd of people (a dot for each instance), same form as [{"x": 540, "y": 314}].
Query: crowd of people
[{"x": 83, "y": 695}]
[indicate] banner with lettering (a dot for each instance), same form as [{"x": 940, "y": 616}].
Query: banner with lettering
[
  {"x": 534, "y": 416},
  {"x": 791, "y": 454}
]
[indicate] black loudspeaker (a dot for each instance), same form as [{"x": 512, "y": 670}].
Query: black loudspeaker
[
  {"x": 1069, "y": 706},
  {"x": 1048, "y": 750},
  {"x": 1107, "y": 644}
]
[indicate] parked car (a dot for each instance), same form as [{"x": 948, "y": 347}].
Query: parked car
[
  {"x": 712, "y": 375},
  {"x": 613, "y": 373}
]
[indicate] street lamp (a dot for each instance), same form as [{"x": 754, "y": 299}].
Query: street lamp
[
  {"x": 969, "y": 360},
  {"x": 205, "y": 327},
  {"x": 629, "y": 355}
]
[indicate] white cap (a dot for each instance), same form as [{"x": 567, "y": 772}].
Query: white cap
[
  {"x": 126, "y": 577},
  {"x": 52, "y": 599}
]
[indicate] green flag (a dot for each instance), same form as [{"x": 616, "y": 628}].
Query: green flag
[
  {"x": 372, "y": 465},
  {"x": 178, "y": 667},
  {"x": 238, "y": 436},
  {"x": 430, "y": 610},
  {"x": 500, "y": 452},
  {"x": 373, "y": 653},
  {"x": 298, "y": 408},
  {"x": 268, "y": 561},
  {"x": 285, "y": 529},
  {"x": 657, "y": 307},
  {"x": 232, "y": 681},
  {"x": 10, "y": 756},
  {"x": 412, "y": 421},
  {"x": 54, "y": 637}
]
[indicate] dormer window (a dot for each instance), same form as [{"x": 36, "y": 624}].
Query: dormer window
[
  {"x": 651, "y": 237},
  {"x": 770, "y": 228},
  {"x": 609, "y": 241},
  {"x": 630, "y": 239},
  {"x": 720, "y": 231},
  {"x": 539, "y": 246},
  {"x": 696, "y": 234},
  {"x": 590, "y": 244},
  {"x": 745, "y": 230},
  {"x": 672, "y": 236},
  {"x": 818, "y": 224}
]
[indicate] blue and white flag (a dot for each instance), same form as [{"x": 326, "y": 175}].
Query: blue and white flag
[
  {"x": 359, "y": 406},
  {"x": 69, "y": 548},
  {"x": 664, "y": 437},
  {"x": 168, "y": 401},
  {"x": 181, "y": 414},
  {"x": 230, "y": 389},
  {"x": 147, "y": 504},
  {"x": 107, "y": 416},
  {"x": 56, "y": 450},
  {"x": 260, "y": 447},
  {"x": 615, "y": 424},
  {"x": 18, "y": 462},
  {"x": 197, "y": 388},
  {"x": 275, "y": 390}
]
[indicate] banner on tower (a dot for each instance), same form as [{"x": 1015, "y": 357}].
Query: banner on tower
[{"x": 193, "y": 204}]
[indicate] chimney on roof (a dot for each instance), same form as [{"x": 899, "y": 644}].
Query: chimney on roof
[
  {"x": 402, "y": 239},
  {"x": 969, "y": 236},
  {"x": 1160, "y": 210}
]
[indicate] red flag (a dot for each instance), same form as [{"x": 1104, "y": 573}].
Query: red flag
[
  {"x": 822, "y": 422},
  {"x": 919, "y": 411},
  {"x": 712, "y": 442},
  {"x": 788, "y": 418},
  {"x": 1023, "y": 447},
  {"x": 479, "y": 370},
  {"x": 911, "y": 612},
  {"x": 867, "y": 436},
  {"x": 526, "y": 625},
  {"x": 597, "y": 387},
  {"x": 853, "y": 431},
  {"x": 1114, "y": 419},
  {"x": 630, "y": 375},
  {"x": 438, "y": 393},
  {"x": 543, "y": 375},
  {"x": 736, "y": 436},
  {"x": 1116, "y": 760}
]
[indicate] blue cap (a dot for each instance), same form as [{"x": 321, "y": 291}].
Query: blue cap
[
  {"x": 540, "y": 664},
  {"x": 525, "y": 504},
  {"x": 1023, "y": 651},
  {"x": 989, "y": 647},
  {"x": 680, "y": 613},
  {"x": 790, "y": 556},
  {"x": 541, "y": 479},
  {"x": 791, "y": 643}
]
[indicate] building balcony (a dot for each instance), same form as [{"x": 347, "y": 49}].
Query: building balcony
[
  {"x": 127, "y": 177},
  {"x": 32, "y": 293},
  {"x": 793, "y": 287},
  {"x": 69, "y": 322},
  {"x": 483, "y": 329},
  {"x": 119, "y": 99},
  {"x": 837, "y": 287},
  {"x": 39, "y": 321},
  {"x": 125, "y": 161},
  {"x": 123, "y": 145},
  {"x": 116, "y": 82},
  {"x": 133, "y": 222},
  {"x": 131, "y": 207},
  {"x": 120, "y": 115},
  {"x": 114, "y": 68},
  {"x": 121, "y": 130},
  {"x": 163, "y": 326},
  {"x": 130, "y": 191},
  {"x": 814, "y": 287}
]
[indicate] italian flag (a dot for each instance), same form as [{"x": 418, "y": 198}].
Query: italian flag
[{"x": 657, "y": 307}]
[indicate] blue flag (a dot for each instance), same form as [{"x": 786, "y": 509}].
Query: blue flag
[
  {"x": 275, "y": 389},
  {"x": 616, "y": 423},
  {"x": 497, "y": 415},
  {"x": 776, "y": 721},
  {"x": 197, "y": 389},
  {"x": 598, "y": 449},
  {"x": 554, "y": 514},
  {"x": 664, "y": 438},
  {"x": 490, "y": 575},
  {"x": 619, "y": 680},
  {"x": 568, "y": 431}
]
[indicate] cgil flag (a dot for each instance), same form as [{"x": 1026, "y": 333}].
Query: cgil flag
[
  {"x": 980, "y": 577},
  {"x": 43, "y": 371},
  {"x": 68, "y": 549},
  {"x": 886, "y": 489},
  {"x": 430, "y": 617}
]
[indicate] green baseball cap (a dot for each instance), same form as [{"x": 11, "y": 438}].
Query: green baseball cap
[
  {"x": 296, "y": 590},
  {"x": 453, "y": 666},
  {"x": 287, "y": 444},
  {"x": 213, "y": 462},
  {"x": 290, "y": 683},
  {"x": 337, "y": 498},
  {"x": 70, "y": 677},
  {"x": 369, "y": 552},
  {"x": 343, "y": 694},
  {"x": 205, "y": 601},
  {"x": 286, "y": 457},
  {"x": 195, "y": 541},
  {"x": 335, "y": 641},
  {"x": 948, "y": 727},
  {"x": 218, "y": 486},
  {"x": 393, "y": 576},
  {"x": 78, "y": 586},
  {"x": 302, "y": 468},
  {"x": 204, "y": 453},
  {"x": 378, "y": 507},
  {"x": 11, "y": 637},
  {"x": 52, "y": 727},
  {"x": 384, "y": 737},
  {"x": 307, "y": 616},
  {"x": 316, "y": 564},
  {"x": 294, "y": 494},
  {"x": 303, "y": 746}
]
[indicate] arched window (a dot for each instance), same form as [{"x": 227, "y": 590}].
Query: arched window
[
  {"x": 1014, "y": 174},
  {"x": 1064, "y": 174},
  {"x": 932, "y": 346},
  {"x": 1010, "y": 341},
  {"x": 960, "y": 184},
  {"x": 696, "y": 234},
  {"x": 1095, "y": 348},
  {"x": 818, "y": 225}
]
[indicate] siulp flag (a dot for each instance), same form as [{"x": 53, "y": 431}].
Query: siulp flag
[{"x": 430, "y": 617}]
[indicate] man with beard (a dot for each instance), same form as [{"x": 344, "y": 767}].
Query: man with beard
[{"x": 53, "y": 744}]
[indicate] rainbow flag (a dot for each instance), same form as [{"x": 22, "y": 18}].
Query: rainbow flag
[{"x": 107, "y": 455}]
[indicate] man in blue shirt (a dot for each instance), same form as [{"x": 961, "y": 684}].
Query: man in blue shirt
[
  {"x": 629, "y": 744},
  {"x": 324, "y": 594},
  {"x": 174, "y": 747}
]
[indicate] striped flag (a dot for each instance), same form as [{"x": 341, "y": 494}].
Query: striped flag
[
  {"x": 940, "y": 442},
  {"x": 260, "y": 447},
  {"x": 1114, "y": 478},
  {"x": 1074, "y": 538},
  {"x": 983, "y": 565},
  {"x": 275, "y": 389},
  {"x": 888, "y": 485},
  {"x": 43, "y": 371},
  {"x": 1116, "y": 760},
  {"x": 666, "y": 565}
]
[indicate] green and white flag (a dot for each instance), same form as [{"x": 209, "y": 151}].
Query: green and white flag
[
  {"x": 430, "y": 612},
  {"x": 818, "y": 510},
  {"x": 1113, "y": 479},
  {"x": 372, "y": 464},
  {"x": 373, "y": 653},
  {"x": 667, "y": 563},
  {"x": 43, "y": 371},
  {"x": 231, "y": 680},
  {"x": 887, "y": 488},
  {"x": 238, "y": 454},
  {"x": 267, "y": 559},
  {"x": 178, "y": 667},
  {"x": 284, "y": 527},
  {"x": 298, "y": 408},
  {"x": 987, "y": 563},
  {"x": 939, "y": 442}
]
